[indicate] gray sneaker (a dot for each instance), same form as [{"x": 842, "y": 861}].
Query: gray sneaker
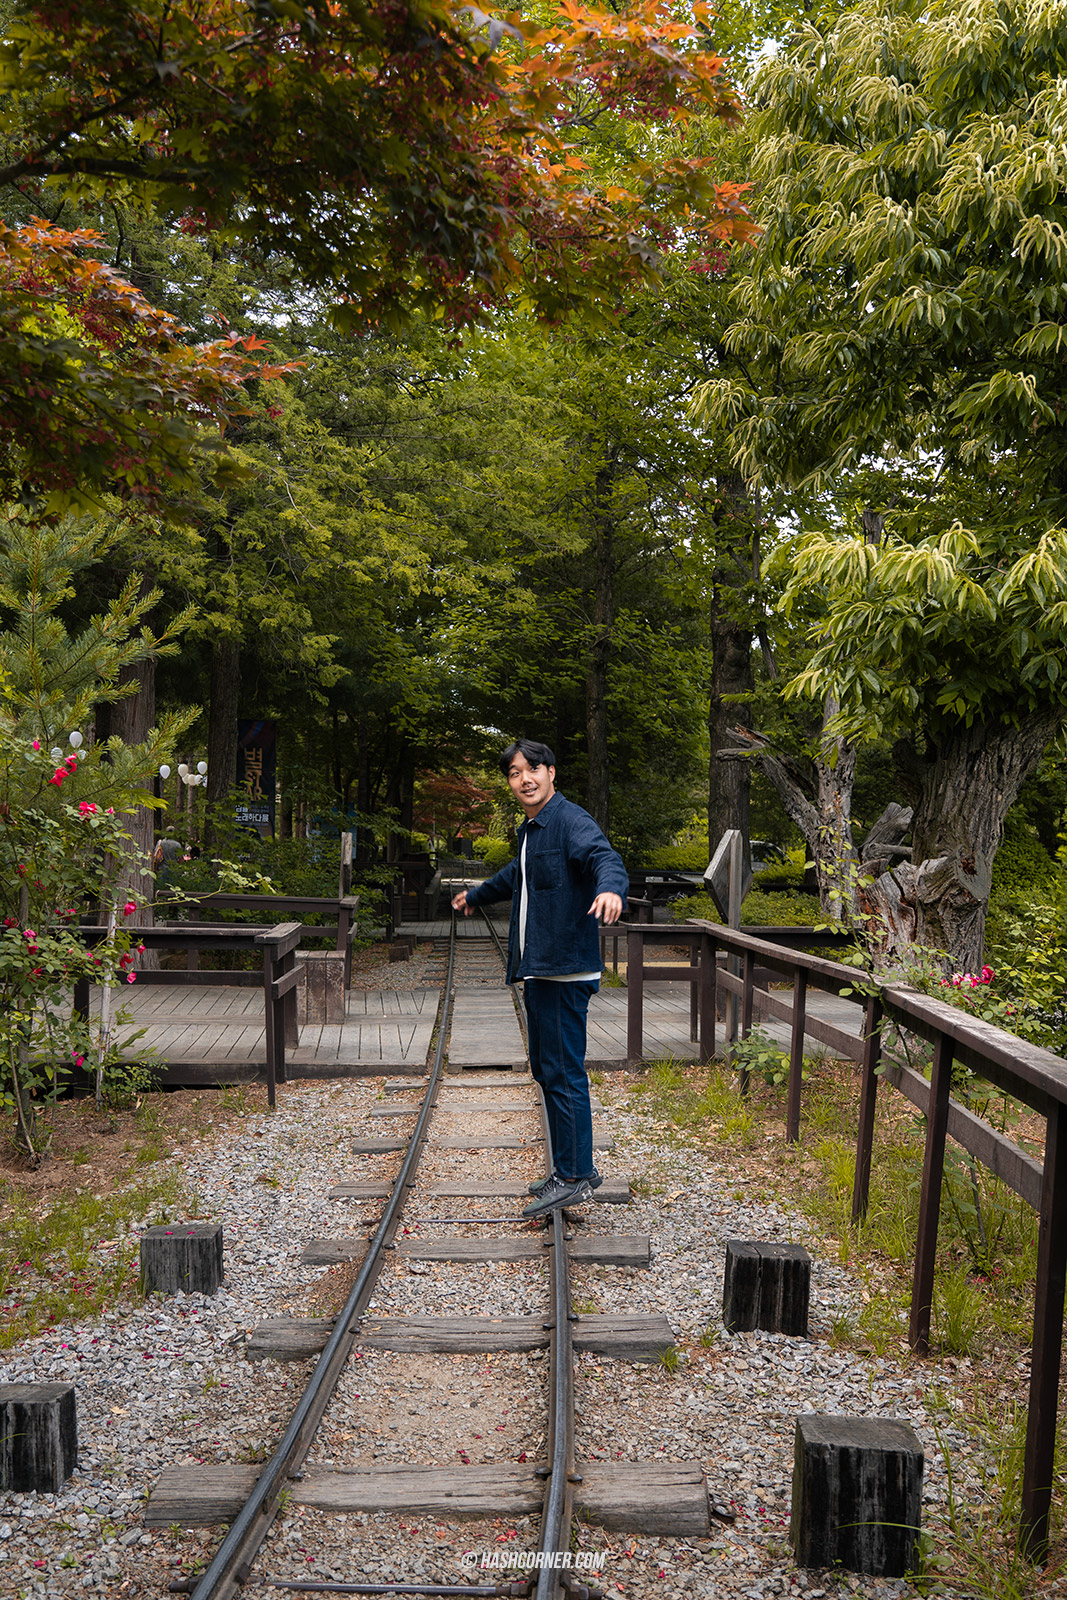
[
  {"x": 594, "y": 1181},
  {"x": 559, "y": 1192}
]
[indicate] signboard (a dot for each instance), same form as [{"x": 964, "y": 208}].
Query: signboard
[
  {"x": 718, "y": 873},
  {"x": 257, "y": 774}
]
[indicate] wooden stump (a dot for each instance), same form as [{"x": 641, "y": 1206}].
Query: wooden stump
[
  {"x": 323, "y": 986},
  {"x": 857, "y": 1494},
  {"x": 183, "y": 1256},
  {"x": 38, "y": 1436},
  {"x": 766, "y": 1286}
]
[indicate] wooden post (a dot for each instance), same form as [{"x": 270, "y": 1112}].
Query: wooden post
[
  {"x": 766, "y": 1286},
  {"x": 635, "y": 994},
  {"x": 38, "y": 1436},
  {"x": 1048, "y": 1341},
  {"x": 857, "y": 1494},
  {"x": 733, "y": 920},
  {"x": 872, "y": 1056},
  {"x": 694, "y": 993},
  {"x": 796, "y": 1056},
  {"x": 708, "y": 996},
  {"x": 182, "y": 1256},
  {"x": 274, "y": 1037},
  {"x": 922, "y": 1294}
]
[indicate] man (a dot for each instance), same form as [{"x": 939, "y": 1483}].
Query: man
[{"x": 565, "y": 876}]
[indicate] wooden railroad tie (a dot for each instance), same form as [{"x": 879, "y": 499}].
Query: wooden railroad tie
[
  {"x": 766, "y": 1286},
  {"x": 38, "y": 1436},
  {"x": 661, "y": 1497},
  {"x": 612, "y": 1192},
  {"x": 857, "y": 1494},
  {"x": 639, "y": 1338},
  {"x": 378, "y": 1147},
  {"x": 611, "y": 1250},
  {"x": 183, "y": 1256}
]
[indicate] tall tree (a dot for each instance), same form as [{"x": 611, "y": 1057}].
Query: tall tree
[
  {"x": 408, "y": 156},
  {"x": 907, "y": 297}
]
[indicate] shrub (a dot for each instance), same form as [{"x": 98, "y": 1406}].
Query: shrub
[
  {"x": 760, "y": 909},
  {"x": 677, "y": 858},
  {"x": 496, "y": 853}
]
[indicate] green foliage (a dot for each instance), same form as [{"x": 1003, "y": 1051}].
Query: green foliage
[
  {"x": 758, "y": 1053},
  {"x": 677, "y": 857},
  {"x": 496, "y": 853},
  {"x": 759, "y": 909},
  {"x": 51, "y": 1267}
]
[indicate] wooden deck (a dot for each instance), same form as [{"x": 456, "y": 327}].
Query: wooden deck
[{"x": 216, "y": 1035}]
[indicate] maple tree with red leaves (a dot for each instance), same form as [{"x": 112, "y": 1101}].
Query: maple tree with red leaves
[
  {"x": 408, "y": 155},
  {"x": 99, "y": 390}
]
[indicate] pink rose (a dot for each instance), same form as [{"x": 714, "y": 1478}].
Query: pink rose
[{"x": 129, "y": 908}]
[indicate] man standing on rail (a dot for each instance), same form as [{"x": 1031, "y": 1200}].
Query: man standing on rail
[{"x": 564, "y": 877}]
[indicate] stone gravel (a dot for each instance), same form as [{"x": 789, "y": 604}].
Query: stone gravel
[{"x": 166, "y": 1382}]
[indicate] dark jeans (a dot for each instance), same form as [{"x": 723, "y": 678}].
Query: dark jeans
[{"x": 556, "y": 1016}]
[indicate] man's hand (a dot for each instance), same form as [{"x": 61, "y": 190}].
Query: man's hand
[
  {"x": 459, "y": 903},
  {"x": 606, "y": 906}
]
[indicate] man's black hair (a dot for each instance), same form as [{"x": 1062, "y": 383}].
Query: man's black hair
[{"x": 537, "y": 755}]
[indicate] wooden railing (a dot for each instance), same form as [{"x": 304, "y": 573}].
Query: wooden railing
[
  {"x": 281, "y": 974},
  {"x": 1024, "y": 1071},
  {"x": 341, "y": 911}
]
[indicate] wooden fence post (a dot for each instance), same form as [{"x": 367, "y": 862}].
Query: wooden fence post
[
  {"x": 796, "y": 1057},
  {"x": 922, "y": 1294},
  {"x": 708, "y": 996},
  {"x": 872, "y": 1056},
  {"x": 1048, "y": 1341},
  {"x": 635, "y": 994}
]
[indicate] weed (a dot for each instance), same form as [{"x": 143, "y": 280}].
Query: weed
[
  {"x": 958, "y": 1314},
  {"x": 670, "y": 1358},
  {"x": 53, "y": 1265},
  {"x": 235, "y": 1098},
  {"x": 271, "y": 1179},
  {"x": 709, "y": 1336},
  {"x": 842, "y": 1330},
  {"x": 586, "y": 1308},
  {"x": 758, "y": 1053}
]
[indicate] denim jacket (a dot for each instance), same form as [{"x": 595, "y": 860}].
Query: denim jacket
[{"x": 568, "y": 863}]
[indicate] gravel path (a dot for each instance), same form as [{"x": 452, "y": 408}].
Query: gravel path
[{"x": 166, "y": 1382}]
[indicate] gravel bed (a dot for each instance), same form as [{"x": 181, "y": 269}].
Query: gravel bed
[{"x": 166, "y": 1382}]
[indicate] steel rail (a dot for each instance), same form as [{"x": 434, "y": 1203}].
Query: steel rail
[
  {"x": 231, "y": 1565},
  {"x": 558, "y": 1510}
]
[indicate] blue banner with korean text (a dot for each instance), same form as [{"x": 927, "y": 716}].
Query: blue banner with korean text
[{"x": 257, "y": 774}]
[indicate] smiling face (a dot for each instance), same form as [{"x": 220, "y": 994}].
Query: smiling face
[{"x": 533, "y": 787}]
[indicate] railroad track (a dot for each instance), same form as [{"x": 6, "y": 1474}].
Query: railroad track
[{"x": 549, "y": 1572}]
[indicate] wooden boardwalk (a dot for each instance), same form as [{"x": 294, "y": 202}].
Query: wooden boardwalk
[{"x": 214, "y": 1035}]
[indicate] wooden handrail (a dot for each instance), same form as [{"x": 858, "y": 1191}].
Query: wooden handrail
[{"x": 1026, "y": 1071}]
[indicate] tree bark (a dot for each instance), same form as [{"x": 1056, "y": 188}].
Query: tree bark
[
  {"x": 598, "y": 783},
  {"x": 225, "y": 703},
  {"x": 131, "y": 719},
  {"x": 730, "y": 629},
  {"x": 938, "y": 900}
]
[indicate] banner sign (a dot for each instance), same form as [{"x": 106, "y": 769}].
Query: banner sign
[{"x": 257, "y": 772}]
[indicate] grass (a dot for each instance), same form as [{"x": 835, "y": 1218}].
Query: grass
[
  {"x": 984, "y": 1282},
  {"x": 73, "y": 1258},
  {"x": 67, "y": 1229}
]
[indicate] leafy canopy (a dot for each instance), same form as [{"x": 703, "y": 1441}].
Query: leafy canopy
[
  {"x": 99, "y": 390},
  {"x": 409, "y": 154}
]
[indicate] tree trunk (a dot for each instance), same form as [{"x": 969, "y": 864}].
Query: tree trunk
[
  {"x": 131, "y": 720},
  {"x": 222, "y": 730},
  {"x": 938, "y": 900},
  {"x": 834, "y": 853},
  {"x": 598, "y": 784},
  {"x": 731, "y": 659}
]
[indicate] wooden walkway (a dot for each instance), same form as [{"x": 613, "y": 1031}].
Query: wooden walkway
[{"x": 212, "y": 1035}]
